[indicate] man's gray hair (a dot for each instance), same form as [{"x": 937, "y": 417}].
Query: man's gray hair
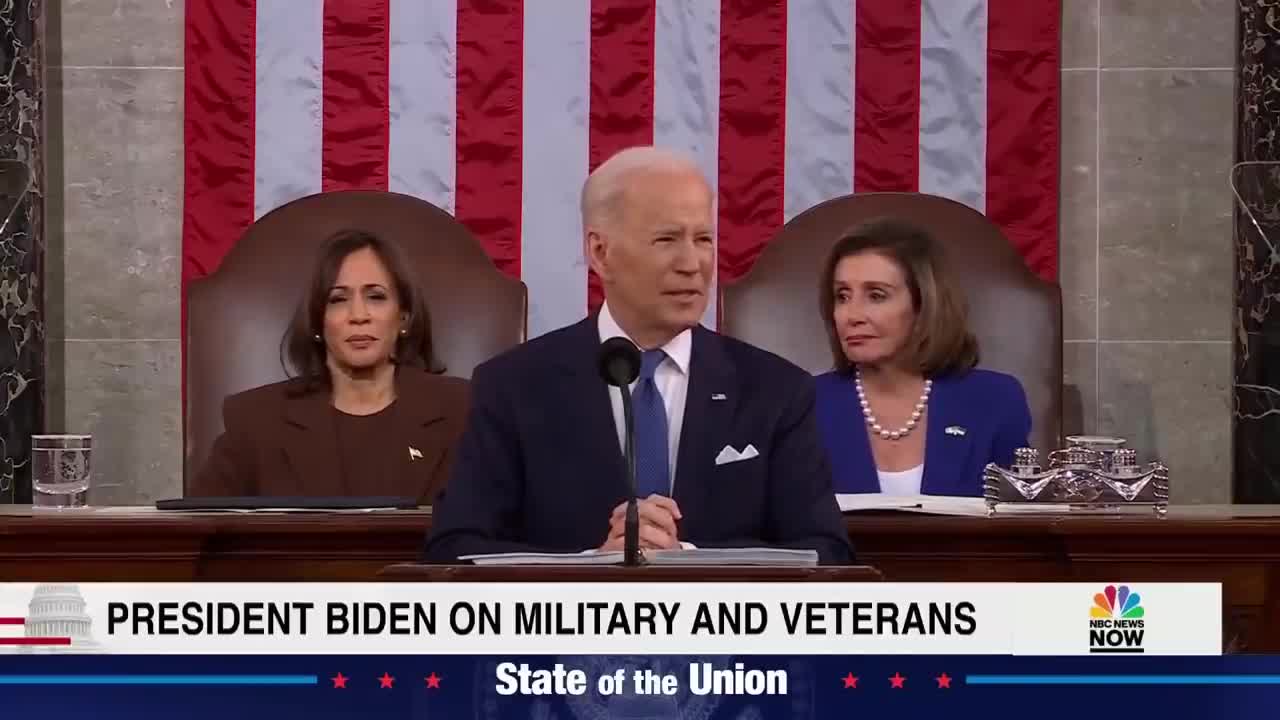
[{"x": 602, "y": 192}]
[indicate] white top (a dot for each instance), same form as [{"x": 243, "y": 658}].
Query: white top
[
  {"x": 672, "y": 378},
  {"x": 901, "y": 482}
]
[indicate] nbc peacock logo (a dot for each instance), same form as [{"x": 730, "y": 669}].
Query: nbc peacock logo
[{"x": 1116, "y": 623}]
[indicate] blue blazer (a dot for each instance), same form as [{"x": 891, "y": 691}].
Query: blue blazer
[
  {"x": 539, "y": 466},
  {"x": 990, "y": 407}
]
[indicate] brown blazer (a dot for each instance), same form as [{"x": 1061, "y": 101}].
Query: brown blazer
[{"x": 280, "y": 443}]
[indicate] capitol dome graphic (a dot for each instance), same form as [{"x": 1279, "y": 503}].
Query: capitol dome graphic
[{"x": 58, "y": 610}]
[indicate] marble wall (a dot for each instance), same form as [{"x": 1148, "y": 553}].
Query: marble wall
[
  {"x": 1257, "y": 320},
  {"x": 1146, "y": 234},
  {"x": 22, "y": 251},
  {"x": 113, "y": 294},
  {"x": 1146, "y": 250}
]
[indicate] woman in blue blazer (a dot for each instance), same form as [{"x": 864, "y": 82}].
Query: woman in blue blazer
[{"x": 906, "y": 412}]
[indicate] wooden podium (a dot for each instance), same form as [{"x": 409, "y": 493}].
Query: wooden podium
[{"x": 409, "y": 572}]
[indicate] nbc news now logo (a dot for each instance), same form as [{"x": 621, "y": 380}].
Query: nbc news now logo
[{"x": 1115, "y": 621}]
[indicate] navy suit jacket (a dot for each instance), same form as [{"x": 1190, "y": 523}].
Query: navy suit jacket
[
  {"x": 539, "y": 467},
  {"x": 990, "y": 408}
]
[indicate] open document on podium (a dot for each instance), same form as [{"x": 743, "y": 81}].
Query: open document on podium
[{"x": 772, "y": 557}]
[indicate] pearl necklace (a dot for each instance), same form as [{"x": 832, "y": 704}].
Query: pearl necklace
[{"x": 871, "y": 418}]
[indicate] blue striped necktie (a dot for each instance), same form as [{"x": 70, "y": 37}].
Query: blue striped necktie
[{"x": 653, "y": 474}]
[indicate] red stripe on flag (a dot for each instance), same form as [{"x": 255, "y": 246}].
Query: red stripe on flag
[
  {"x": 490, "y": 126},
  {"x": 1023, "y": 89},
  {"x": 220, "y": 41},
  {"x": 621, "y": 113},
  {"x": 752, "y": 134},
  {"x": 886, "y": 109},
  {"x": 13, "y": 621},
  {"x": 217, "y": 131},
  {"x": 36, "y": 641},
  {"x": 356, "y": 120}
]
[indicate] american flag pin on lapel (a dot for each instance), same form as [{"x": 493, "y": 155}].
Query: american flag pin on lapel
[
  {"x": 955, "y": 430},
  {"x": 414, "y": 453},
  {"x": 719, "y": 396}
]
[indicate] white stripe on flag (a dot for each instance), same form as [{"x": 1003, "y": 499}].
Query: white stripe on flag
[
  {"x": 819, "y": 142},
  {"x": 686, "y": 90},
  {"x": 953, "y": 100},
  {"x": 556, "y": 97},
  {"x": 423, "y": 103},
  {"x": 289, "y": 61}
]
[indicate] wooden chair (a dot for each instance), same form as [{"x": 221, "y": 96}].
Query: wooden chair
[
  {"x": 1016, "y": 316},
  {"x": 237, "y": 316}
]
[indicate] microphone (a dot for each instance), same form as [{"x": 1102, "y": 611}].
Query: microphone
[{"x": 619, "y": 365}]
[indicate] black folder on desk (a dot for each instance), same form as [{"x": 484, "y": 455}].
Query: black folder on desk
[{"x": 289, "y": 503}]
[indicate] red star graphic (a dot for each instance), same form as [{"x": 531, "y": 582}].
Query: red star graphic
[
  {"x": 850, "y": 681},
  {"x": 896, "y": 682},
  {"x": 944, "y": 681},
  {"x": 339, "y": 681},
  {"x": 386, "y": 681},
  {"x": 433, "y": 681}
]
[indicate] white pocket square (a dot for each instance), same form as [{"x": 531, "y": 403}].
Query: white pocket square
[{"x": 729, "y": 455}]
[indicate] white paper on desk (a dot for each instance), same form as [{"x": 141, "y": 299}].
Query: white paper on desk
[
  {"x": 771, "y": 557},
  {"x": 971, "y": 506},
  {"x": 948, "y": 505},
  {"x": 588, "y": 557},
  {"x": 853, "y": 502},
  {"x": 924, "y": 504},
  {"x": 762, "y": 556}
]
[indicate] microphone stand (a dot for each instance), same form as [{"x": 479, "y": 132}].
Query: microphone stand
[{"x": 631, "y": 556}]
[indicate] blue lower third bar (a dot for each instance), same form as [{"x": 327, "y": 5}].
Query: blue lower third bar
[
  {"x": 1122, "y": 680},
  {"x": 158, "y": 680}
]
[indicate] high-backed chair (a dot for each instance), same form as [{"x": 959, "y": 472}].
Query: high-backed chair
[
  {"x": 237, "y": 316},
  {"x": 1016, "y": 316}
]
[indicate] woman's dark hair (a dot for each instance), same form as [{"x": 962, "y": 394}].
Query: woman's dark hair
[
  {"x": 302, "y": 353},
  {"x": 940, "y": 342}
]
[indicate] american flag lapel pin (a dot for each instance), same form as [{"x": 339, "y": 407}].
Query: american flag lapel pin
[
  {"x": 414, "y": 453},
  {"x": 719, "y": 396},
  {"x": 955, "y": 430}
]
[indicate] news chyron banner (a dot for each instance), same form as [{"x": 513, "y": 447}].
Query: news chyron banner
[
  {"x": 568, "y": 651},
  {"x": 625, "y": 619}
]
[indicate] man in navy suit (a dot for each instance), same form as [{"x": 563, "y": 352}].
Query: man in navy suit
[{"x": 728, "y": 452}]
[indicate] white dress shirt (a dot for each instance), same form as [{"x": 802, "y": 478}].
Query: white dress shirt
[
  {"x": 901, "y": 482},
  {"x": 672, "y": 378}
]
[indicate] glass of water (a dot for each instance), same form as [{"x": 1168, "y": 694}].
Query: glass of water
[{"x": 61, "y": 470}]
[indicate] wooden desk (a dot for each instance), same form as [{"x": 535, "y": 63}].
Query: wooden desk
[
  {"x": 141, "y": 544},
  {"x": 406, "y": 572},
  {"x": 1237, "y": 546}
]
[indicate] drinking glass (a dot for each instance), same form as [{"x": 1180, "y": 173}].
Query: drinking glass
[{"x": 61, "y": 471}]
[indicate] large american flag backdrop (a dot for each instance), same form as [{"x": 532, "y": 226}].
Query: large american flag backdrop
[{"x": 496, "y": 110}]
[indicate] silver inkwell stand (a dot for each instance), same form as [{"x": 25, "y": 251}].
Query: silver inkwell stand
[{"x": 1091, "y": 474}]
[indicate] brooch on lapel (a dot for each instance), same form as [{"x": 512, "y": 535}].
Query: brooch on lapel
[
  {"x": 414, "y": 453},
  {"x": 955, "y": 430},
  {"x": 719, "y": 396}
]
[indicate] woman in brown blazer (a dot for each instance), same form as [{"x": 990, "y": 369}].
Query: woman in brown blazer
[{"x": 366, "y": 414}]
